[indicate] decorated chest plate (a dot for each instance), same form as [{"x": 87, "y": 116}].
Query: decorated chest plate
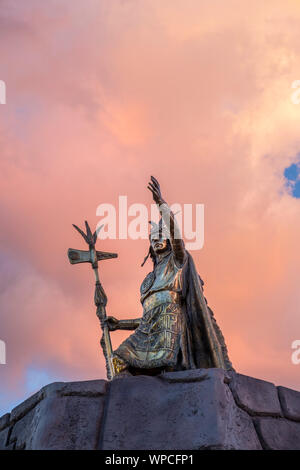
[{"x": 147, "y": 282}]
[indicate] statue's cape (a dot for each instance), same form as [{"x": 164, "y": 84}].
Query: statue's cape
[{"x": 203, "y": 342}]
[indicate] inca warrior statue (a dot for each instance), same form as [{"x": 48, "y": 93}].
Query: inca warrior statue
[{"x": 177, "y": 330}]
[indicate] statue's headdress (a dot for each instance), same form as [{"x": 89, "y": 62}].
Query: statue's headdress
[{"x": 160, "y": 229}]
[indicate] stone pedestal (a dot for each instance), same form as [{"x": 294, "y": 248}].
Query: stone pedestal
[{"x": 197, "y": 409}]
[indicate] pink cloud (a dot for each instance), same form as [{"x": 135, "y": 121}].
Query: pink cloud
[{"x": 100, "y": 96}]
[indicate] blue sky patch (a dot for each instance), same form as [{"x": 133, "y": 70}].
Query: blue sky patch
[
  {"x": 292, "y": 175},
  {"x": 35, "y": 379}
]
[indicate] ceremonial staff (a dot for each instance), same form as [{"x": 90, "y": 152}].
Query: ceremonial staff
[{"x": 92, "y": 256}]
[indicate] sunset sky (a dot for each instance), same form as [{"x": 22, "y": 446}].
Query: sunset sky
[{"x": 102, "y": 94}]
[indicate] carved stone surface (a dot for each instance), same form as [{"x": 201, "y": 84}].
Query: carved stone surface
[
  {"x": 183, "y": 410},
  {"x": 60, "y": 416},
  {"x": 71, "y": 422},
  {"x": 278, "y": 433},
  {"x": 4, "y": 421},
  {"x": 255, "y": 396},
  {"x": 90, "y": 388},
  {"x": 290, "y": 402},
  {"x": 21, "y": 410},
  {"x": 22, "y": 431},
  {"x": 3, "y": 438},
  {"x": 195, "y": 409}
]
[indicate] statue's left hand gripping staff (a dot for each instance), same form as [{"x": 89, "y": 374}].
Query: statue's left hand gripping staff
[{"x": 92, "y": 256}]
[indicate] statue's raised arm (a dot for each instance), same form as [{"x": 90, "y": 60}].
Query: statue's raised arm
[{"x": 170, "y": 223}]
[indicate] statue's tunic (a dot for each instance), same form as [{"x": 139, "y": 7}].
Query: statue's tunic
[{"x": 156, "y": 341}]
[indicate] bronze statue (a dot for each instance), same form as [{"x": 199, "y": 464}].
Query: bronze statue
[{"x": 177, "y": 330}]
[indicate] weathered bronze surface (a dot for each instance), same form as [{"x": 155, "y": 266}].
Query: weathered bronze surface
[{"x": 177, "y": 330}]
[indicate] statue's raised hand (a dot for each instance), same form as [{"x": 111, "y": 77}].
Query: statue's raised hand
[{"x": 154, "y": 187}]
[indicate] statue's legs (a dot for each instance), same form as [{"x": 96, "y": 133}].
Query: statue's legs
[{"x": 123, "y": 369}]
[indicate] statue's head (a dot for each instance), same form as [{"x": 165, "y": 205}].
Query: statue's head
[
  {"x": 159, "y": 244},
  {"x": 159, "y": 238},
  {"x": 159, "y": 241}
]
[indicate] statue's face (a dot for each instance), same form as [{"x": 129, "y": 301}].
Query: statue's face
[{"x": 159, "y": 244}]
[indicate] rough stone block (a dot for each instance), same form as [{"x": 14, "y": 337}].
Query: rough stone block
[
  {"x": 4, "y": 421},
  {"x": 10, "y": 446},
  {"x": 22, "y": 430},
  {"x": 290, "y": 403},
  {"x": 19, "y": 411},
  {"x": 182, "y": 410},
  {"x": 66, "y": 423},
  {"x": 53, "y": 389},
  {"x": 88, "y": 388},
  {"x": 193, "y": 375},
  {"x": 196, "y": 409},
  {"x": 255, "y": 396},
  {"x": 3, "y": 438},
  {"x": 69, "y": 417},
  {"x": 278, "y": 433}
]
